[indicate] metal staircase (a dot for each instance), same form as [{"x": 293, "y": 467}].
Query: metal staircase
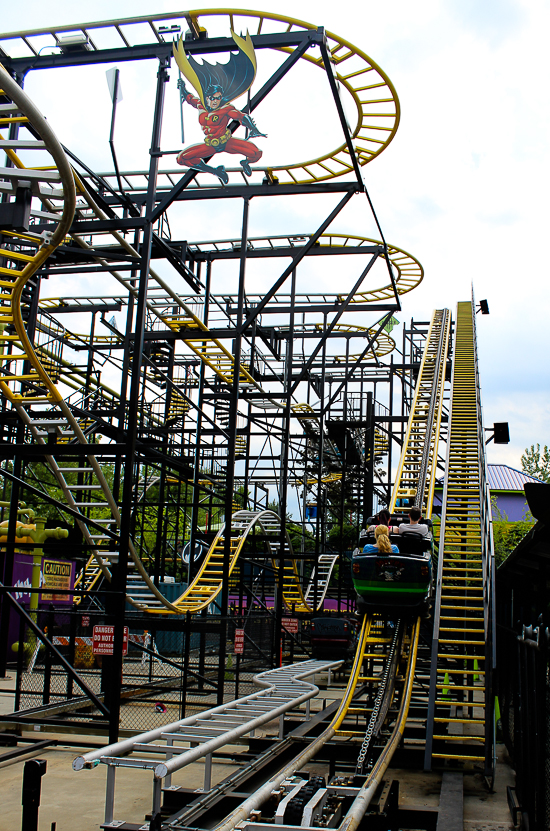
[{"x": 460, "y": 716}]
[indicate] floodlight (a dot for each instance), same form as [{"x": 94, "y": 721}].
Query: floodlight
[{"x": 74, "y": 43}]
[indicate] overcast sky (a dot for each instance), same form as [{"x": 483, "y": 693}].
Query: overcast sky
[{"x": 463, "y": 186}]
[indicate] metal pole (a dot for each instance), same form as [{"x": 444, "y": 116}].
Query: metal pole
[
  {"x": 33, "y": 772},
  {"x": 110, "y": 794},
  {"x": 283, "y": 478},
  {"x": 198, "y": 436},
  {"x": 321, "y": 501},
  {"x": 7, "y": 576},
  {"x": 120, "y": 574},
  {"x": 232, "y": 433}
]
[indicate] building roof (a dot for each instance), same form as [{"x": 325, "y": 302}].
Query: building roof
[{"x": 505, "y": 478}]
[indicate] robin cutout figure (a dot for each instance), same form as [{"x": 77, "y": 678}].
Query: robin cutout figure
[{"x": 216, "y": 86}]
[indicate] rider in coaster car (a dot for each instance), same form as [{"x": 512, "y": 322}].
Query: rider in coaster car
[
  {"x": 382, "y": 544},
  {"x": 384, "y": 518},
  {"x": 414, "y": 526}
]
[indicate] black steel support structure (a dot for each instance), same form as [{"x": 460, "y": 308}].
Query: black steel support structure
[{"x": 291, "y": 361}]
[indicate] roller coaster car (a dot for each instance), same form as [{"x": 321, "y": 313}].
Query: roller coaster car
[
  {"x": 333, "y": 638},
  {"x": 398, "y": 582}
]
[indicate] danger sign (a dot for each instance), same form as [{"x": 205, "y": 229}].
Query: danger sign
[
  {"x": 239, "y": 642},
  {"x": 290, "y": 625},
  {"x": 103, "y": 639}
]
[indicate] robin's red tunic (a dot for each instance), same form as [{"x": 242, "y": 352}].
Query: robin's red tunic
[{"x": 218, "y": 138}]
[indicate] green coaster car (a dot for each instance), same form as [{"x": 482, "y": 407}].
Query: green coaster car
[{"x": 401, "y": 583}]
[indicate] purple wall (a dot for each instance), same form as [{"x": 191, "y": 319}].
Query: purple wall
[{"x": 513, "y": 505}]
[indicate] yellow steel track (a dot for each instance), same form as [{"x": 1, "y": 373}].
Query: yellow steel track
[
  {"x": 459, "y": 726},
  {"x": 416, "y": 472},
  {"x": 371, "y": 647},
  {"x": 207, "y": 584},
  {"x": 415, "y": 479},
  {"x": 367, "y": 668},
  {"x": 373, "y": 96}
]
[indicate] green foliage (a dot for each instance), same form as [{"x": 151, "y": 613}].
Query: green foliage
[
  {"x": 298, "y": 534},
  {"x": 536, "y": 462},
  {"x": 506, "y": 534},
  {"x": 40, "y": 476},
  {"x": 346, "y": 540}
]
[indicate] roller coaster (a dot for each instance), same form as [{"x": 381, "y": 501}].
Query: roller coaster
[
  {"x": 187, "y": 408},
  {"x": 383, "y": 676}
]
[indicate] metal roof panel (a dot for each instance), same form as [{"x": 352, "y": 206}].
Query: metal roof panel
[{"x": 506, "y": 478}]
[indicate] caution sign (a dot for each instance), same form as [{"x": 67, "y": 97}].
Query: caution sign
[
  {"x": 239, "y": 642},
  {"x": 57, "y": 574},
  {"x": 103, "y": 639}
]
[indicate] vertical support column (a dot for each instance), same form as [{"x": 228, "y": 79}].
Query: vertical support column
[
  {"x": 70, "y": 656},
  {"x": 48, "y": 660},
  {"x": 232, "y": 433},
  {"x": 169, "y": 754},
  {"x": 157, "y": 796},
  {"x": 110, "y": 794},
  {"x": 390, "y": 428},
  {"x": 198, "y": 436},
  {"x": 120, "y": 574},
  {"x": 207, "y": 772},
  {"x": 321, "y": 496},
  {"x": 20, "y": 656},
  {"x": 368, "y": 482},
  {"x": 283, "y": 476},
  {"x": 186, "y": 653},
  {"x": 345, "y": 414},
  {"x": 7, "y": 575}
]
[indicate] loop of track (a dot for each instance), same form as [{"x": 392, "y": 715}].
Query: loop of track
[
  {"x": 363, "y": 79},
  {"x": 409, "y": 271},
  {"x": 377, "y": 108}
]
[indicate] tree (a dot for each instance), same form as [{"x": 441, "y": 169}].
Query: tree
[
  {"x": 506, "y": 534},
  {"x": 536, "y": 462}
]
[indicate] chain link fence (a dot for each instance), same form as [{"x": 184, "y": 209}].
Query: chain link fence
[{"x": 171, "y": 670}]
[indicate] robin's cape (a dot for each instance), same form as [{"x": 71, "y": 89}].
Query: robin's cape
[{"x": 234, "y": 77}]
